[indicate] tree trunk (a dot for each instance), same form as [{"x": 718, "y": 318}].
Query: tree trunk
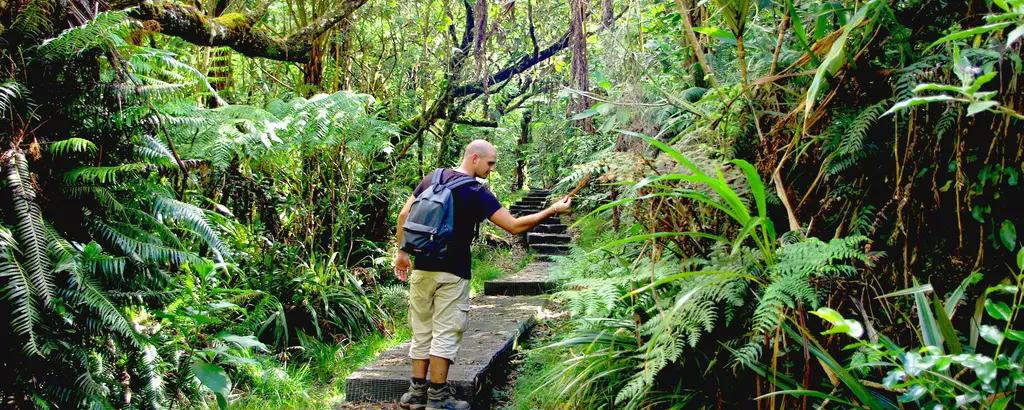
[
  {"x": 524, "y": 138},
  {"x": 607, "y": 13},
  {"x": 580, "y": 71}
]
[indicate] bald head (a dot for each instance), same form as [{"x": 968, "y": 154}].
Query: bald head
[
  {"x": 481, "y": 148},
  {"x": 479, "y": 158}
]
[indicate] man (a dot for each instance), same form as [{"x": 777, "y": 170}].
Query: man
[{"x": 439, "y": 289}]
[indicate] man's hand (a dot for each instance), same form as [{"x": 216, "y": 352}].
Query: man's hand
[
  {"x": 562, "y": 206},
  {"x": 402, "y": 265}
]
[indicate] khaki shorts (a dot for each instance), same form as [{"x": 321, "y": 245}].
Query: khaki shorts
[{"x": 438, "y": 313}]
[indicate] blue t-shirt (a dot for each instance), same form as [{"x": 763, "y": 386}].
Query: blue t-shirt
[{"x": 473, "y": 204}]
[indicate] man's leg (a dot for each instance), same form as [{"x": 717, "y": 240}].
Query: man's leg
[
  {"x": 421, "y": 315},
  {"x": 438, "y": 370},
  {"x": 419, "y": 368},
  {"x": 451, "y": 315}
]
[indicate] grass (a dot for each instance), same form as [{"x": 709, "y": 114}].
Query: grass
[
  {"x": 532, "y": 389},
  {"x": 315, "y": 379},
  {"x": 490, "y": 263}
]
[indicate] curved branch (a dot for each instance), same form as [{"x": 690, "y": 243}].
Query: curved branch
[
  {"x": 524, "y": 63},
  {"x": 236, "y": 30},
  {"x": 476, "y": 123}
]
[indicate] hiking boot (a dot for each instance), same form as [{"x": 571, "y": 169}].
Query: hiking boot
[
  {"x": 415, "y": 398},
  {"x": 444, "y": 399}
]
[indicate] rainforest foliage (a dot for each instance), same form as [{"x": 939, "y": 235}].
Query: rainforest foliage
[{"x": 786, "y": 204}]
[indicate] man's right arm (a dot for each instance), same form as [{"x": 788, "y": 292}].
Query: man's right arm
[
  {"x": 402, "y": 262},
  {"x": 514, "y": 225}
]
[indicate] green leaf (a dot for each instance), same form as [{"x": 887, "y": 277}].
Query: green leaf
[
  {"x": 946, "y": 327},
  {"x": 1008, "y": 234},
  {"x": 997, "y": 310},
  {"x": 937, "y": 87},
  {"x": 957, "y": 296},
  {"x": 717, "y": 33},
  {"x": 980, "y": 106},
  {"x": 801, "y": 33},
  {"x": 1015, "y": 335},
  {"x": 834, "y": 53},
  {"x": 980, "y": 81},
  {"x": 918, "y": 101},
  {"x": 991, "y": 334},
  {"x": 840, "y": 324},
  {"x": 927, "y": 287},
  {"x": 978, "y": 213},
  {"x": 246, "y": 342},
  {"x": 1001, "y": 403},
  {"x": 913, "y": 393},
  {"x": 829, "y": 315},
  {"x": 214, "y": 377},
  {"x": 756, "y": 186},
  {"x": 587, "y": 113},
  {"x": 969, "y": 33},
  {"x": 930, "y": 334}
]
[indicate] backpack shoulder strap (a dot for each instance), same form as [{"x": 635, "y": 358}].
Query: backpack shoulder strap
[
  {"x": 436, "y": 178},
  {"x": 460, "y": 181}
]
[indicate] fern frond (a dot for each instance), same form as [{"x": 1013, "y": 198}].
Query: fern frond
[
  {"x": 21, "y": 294},
  {"x": 32, "y": 18},
  {"x": 140, "y": 250},
  {"x": 694, "y": 94},
  {"x": 155, "y": 152},
  {"x": 10, "y": 92},
  {"x": 192, "y": 218},
  {"x": 850, "y": 148},
  {"x": 31, "y": 233},
  {"x": 109, "y": 27},
  {"x": 103, "y": 175},
  {"x": 90, "y": 295},
  {"x": 164, "y": 233},
  {"x": 72, "y": 144},
  {"x": 152, "y": 378},
  {"x": 102, "y": 195}
]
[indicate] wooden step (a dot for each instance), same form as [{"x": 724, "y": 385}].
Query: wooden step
[
  {"x": 531, "y": 280},
  {"x": 524, "y": 211},
  {"x": 550, "y": 249},
  {"x": 555, "y": 227},
  {"x": 533, "y": 238}
]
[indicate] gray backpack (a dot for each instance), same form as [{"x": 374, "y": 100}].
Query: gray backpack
[{"x": 428, "y": 228}]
